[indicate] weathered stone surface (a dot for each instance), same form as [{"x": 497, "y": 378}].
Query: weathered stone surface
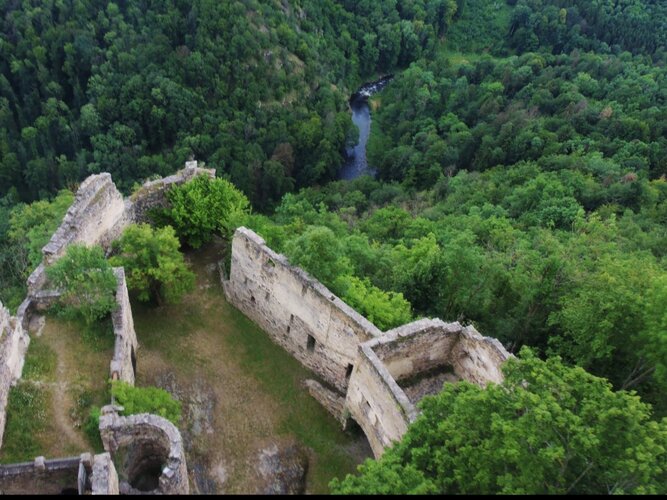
[
  {"x": 298, "y": 312},
  {"x": 13, "y": 345},
  {"x": 104, "y": 480},
  {"x": 282, "y": 470},
  {"x": 45, "y": 477},
  {"x": 97, "y": 208},
  {"x": 332, "y": 401},
  {"x": 144, "y": 442},
  {"x": 431, "y": 347},
  {"x": 123, "y": 364}
]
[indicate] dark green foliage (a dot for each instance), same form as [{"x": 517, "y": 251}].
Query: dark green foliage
[
  {"x": 548, "y": 429},
  {"x": 146, "y": 400},
  {"x": 134, "y": 89},
  {"x": 87, "y": 283},
  {"x": 204, "y": 207},
  {"x": 154, "y": 266}
]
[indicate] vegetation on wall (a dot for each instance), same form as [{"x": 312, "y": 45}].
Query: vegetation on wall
[
  {"x": 152, "y": 400},
  {"x": 86, "y": 284}
]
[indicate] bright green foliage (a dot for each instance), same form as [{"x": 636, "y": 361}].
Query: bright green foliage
[
  {"x": 24, "y": 230},
  {"x": 204, "y": 207},
  {"x": 154, "y": 266},
  {"x": 384, "y": 309},
  {"x": 320, "y": 252},
  {"x": 146, "y": 400},
  {"x": 548, "y": 429},
  {"x": 31, "y": 226},
  {"x": 87, "y": 283}
]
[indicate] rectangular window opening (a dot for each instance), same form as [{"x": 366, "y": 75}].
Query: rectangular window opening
[
  {"x": 348, "y": 371},
  {"x": 311, "y": 343}
]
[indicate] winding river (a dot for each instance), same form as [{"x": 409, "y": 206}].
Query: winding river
[{"x": 357, "y": 164}]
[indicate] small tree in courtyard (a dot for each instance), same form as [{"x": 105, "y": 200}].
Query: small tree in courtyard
[
  {"x": 86, "y": 282},
  {"x": 154, "y": 266},
  {"x": 204, "y": 207}
]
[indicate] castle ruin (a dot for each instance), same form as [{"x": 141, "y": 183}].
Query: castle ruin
[{"x": 372, "y": 378}]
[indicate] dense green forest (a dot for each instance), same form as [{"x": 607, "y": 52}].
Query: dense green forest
[{"x": 521, "y": 156}]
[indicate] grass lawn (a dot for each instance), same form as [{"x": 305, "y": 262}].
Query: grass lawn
[{"x": 64, "y": 374}]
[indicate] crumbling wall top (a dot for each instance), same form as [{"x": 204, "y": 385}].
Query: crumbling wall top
[{"x": 310, "y": 282}]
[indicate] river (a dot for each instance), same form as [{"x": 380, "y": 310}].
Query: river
[{"x": 356, "y": 163}]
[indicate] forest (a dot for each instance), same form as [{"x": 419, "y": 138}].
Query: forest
[{"x": 521, "y": 186}]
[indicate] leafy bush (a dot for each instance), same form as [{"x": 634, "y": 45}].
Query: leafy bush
[
  {"x": 146, "y": 400},
  {"x": 153, "y": 264},
  {"x": 204, "y": 207},
  {"x": 87, "y": 283}
]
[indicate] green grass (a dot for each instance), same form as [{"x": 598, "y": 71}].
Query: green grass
[
  {"x": 280, "y": 375},
  {"x": 27, "y": 417},
  {"x": 40, "y": 361}
]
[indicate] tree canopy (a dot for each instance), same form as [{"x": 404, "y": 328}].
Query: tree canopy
[
  {"x": 154, "y": 266},
  {"x": 547, "y": 429},
  {"x": 86, "y": 283}
]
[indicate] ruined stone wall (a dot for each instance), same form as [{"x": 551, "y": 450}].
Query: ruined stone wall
[
  {"x": 298, "y": 312},
  {"x": 46, "y": 477},
  {"x": 377, "y": 402},
  {"x": 123, "y": 364},
  {"x": 99, "y": 214},
  {"x": 418, "y": 347},
  {"x": 477, "y": 358},
  {"x": 139, "y": 443},
  {"x": 104, "y": 479},
  {"x": 152, "y": 194},
  {"x": 13, "y": 345}
]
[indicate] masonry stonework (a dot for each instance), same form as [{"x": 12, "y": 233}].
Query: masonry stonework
[
  {"x": 395, "y": 371},
  {"x": 148, "y": 451},
  {"x": 298, "y": 312},
  {"x": 13, "y": 345},
  {"x": 124, "y": 362},
  {"x": 375, "y": 378},
  {"x": 98, "y": 216}
]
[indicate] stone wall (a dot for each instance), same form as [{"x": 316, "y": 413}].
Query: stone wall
[
  {"x": 104, "y": 479},
  {"x": 123, "y": 364},
  {"x": 45, "y": 477},
  {"x": 298, "y": 312},
  {"x": 13, "y": 345},
  {"x": 143, "y": 444},
  {"x": 152, "y": 193},
  {"x": 376, "y": 402},
  {"x": 99, "y": 214},
  {"x": 427, "y": 351}
]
